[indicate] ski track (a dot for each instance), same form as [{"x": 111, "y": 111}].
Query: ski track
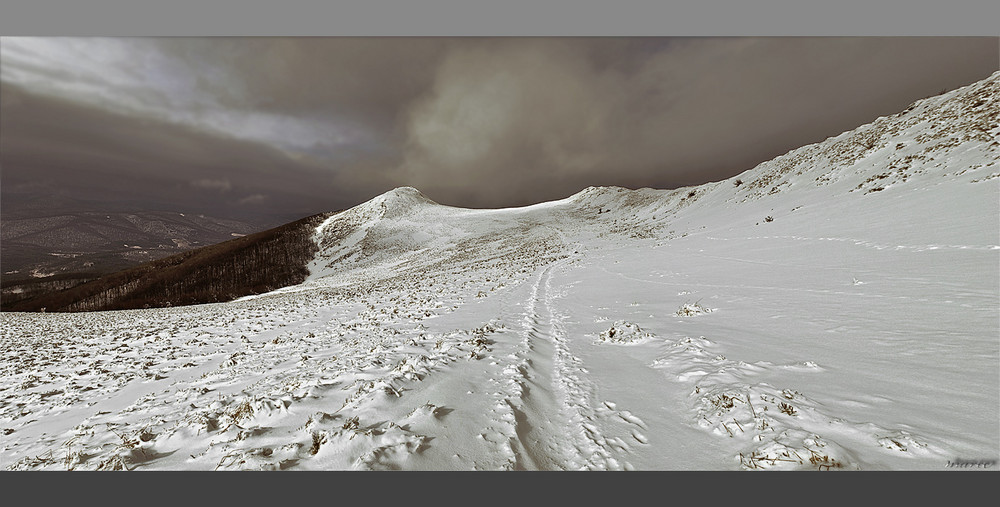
[
  {"x": 870, "y": 244},
  {"x": 550, "y": 421},
  {"x": 267, "y": 385},
  {"x": 431, "y": 337}
]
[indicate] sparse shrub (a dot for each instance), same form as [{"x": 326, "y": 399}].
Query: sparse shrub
[
  {"x": 352, "y": 423},
  {"x": 738, "y": 182},
  {"x": 769, "y": 218},
  {"x": 114, "y": 463},
  {"x": 318, "y": 439},
  {"x": 240, "y": 412},
  {"x": 723, "y": 401},
  {"x": 821, "y": 461},
  {"x": 786, "y": 408},
  {"x": 624, "y": 332},
  {"x": 691, "y": 309}
]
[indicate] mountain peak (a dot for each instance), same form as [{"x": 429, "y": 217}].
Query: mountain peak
[
  {"x": 404, "y": 195},
  {"x": 400, "y": 201},
  {"x": 404, "y": 192}
]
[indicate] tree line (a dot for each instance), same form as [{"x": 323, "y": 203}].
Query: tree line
[{"x": 239, "y": 267}]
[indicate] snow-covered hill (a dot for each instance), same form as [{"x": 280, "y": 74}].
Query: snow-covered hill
[{"x": 833, "y": 308}]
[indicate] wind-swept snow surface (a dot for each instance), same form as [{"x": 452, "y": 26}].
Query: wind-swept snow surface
[{"x": 835, "y": 308}]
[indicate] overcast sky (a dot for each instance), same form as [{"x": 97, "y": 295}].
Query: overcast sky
[{"x": 285, "y": 127}]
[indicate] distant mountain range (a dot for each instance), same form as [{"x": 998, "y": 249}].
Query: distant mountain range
[
  {"x": 43, "y": 250},
  {"x": 834, "y": 308},
  {"x": 245, "y": 265}
]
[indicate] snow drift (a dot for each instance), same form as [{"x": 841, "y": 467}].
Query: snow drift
[{"x": 832, "y": 309}]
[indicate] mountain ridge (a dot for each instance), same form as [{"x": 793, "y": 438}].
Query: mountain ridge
[
  {"x": 402, "y": 229},
  {"x": 791, "y": 317}
]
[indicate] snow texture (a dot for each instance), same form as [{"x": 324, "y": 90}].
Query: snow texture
[{"x": 832, "y": 309}]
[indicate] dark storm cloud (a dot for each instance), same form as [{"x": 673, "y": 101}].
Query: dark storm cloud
[
  {"x": 288, "y": 125},
  {"x": 526, "y": 120},
  {"x": 59, "y": 148},
  {"x": 320, "y": 95},
  {"x": 365, "y": 79}
]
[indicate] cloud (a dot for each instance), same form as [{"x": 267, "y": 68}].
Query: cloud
[
  {"x": 541, "y": 97},
  {"x": 54, "y": 146},
  {"x": 253, "y": 199},
  {"x": 522, "y": 120},
  {"x": 295, "y": 93},
  {"x": 320, "y": 123}
]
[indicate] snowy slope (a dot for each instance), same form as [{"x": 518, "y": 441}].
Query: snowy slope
[{"x": 833, "y": 308}]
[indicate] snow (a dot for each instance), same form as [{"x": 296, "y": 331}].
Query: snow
[{"x": 615, "y": 329}]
